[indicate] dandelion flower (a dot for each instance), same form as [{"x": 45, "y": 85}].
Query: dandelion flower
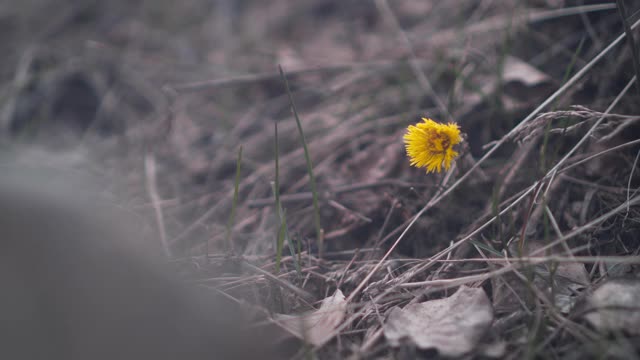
[{"x": 430, "y": 144}]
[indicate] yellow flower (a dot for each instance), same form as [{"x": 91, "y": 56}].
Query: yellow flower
[{"x": 430, "y": 144}]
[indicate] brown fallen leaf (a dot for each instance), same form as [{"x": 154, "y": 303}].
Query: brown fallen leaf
[
  {"x": 453, "y": 325},
  {"x": 316, "y": 327},
  {"x": 569, "y": 281}
]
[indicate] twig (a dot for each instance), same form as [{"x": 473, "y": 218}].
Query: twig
[
  {"x": 632, "y": 202},
  {"x": 296, "y": 290},
  {"x": 611, "y": 189},
  {"x": 603, "y": 152},
  {"x": 357, "y": 214},
  {"x": 152, "y": 191},
  {"x": 271, "y": 76},
  {"x": 306, "y": 196},
  {"x": 630, "y": 40}
]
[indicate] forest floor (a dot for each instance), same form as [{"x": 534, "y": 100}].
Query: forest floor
[{"x": 527, "y": 247}]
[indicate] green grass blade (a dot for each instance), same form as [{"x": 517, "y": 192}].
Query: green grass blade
[
  {"x": 278, "y": 206},
  {"x": 279, "y": 243},
  {"x": 234, "y": 204},
  {"x": 296, "y": 260},
  {"x": 487, "y": 248},
  {"x": 283, "y": 233},
  {"x": 312, "y": 181}
]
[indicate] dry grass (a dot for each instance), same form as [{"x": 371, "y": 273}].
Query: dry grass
[{"x": 548, "y": 174}]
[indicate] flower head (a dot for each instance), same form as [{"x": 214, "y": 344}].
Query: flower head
[{"x": 430, "y": 144}]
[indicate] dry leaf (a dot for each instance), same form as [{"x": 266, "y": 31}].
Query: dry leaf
[
  {"x": 573, "y": 272},
  {"x": 615, "y": 306},
  {"x": 316, "y": 327},
  {"x": 569, "y": 280},
  {"x": 453, "y": 325}
]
